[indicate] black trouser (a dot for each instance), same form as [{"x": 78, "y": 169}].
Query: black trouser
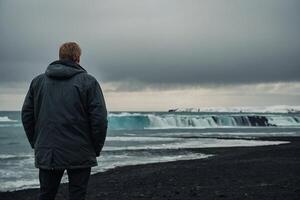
[{"x": 50, "y": 180}]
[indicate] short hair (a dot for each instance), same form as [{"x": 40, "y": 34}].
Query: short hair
[{"x": 69, "y": 51}]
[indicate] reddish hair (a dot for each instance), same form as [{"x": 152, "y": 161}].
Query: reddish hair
[{"x": 70, "y": 51}]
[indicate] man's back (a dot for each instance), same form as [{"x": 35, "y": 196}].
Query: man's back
[{"x": 68, "y": 107}]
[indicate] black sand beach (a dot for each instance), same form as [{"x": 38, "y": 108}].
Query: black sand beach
[{"x": 260, "y": 173}]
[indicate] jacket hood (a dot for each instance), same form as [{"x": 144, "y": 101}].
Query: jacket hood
[{"x": 63, "y": 69}]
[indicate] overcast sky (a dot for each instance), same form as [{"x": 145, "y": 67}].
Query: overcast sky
[{"x": 159, "y": 54}]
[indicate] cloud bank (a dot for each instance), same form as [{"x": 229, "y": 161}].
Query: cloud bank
[{"x": 160, "y": 42}]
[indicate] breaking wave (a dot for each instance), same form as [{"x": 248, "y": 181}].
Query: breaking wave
[
  {"x": 177, "y": 120},
  {"x": 6, "y": 119}
]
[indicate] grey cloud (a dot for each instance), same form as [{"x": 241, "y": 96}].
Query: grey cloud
[{"x": 157, "y": 42}]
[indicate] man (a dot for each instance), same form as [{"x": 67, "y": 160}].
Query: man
[{"x": 65, "y": 120}]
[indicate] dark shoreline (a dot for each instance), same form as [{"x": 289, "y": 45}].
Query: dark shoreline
[{"x": 266, "y": 172}]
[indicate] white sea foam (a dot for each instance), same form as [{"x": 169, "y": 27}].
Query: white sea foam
[
  {"x": 126, "y": 160},
  {"x": 197, "y": 143},
  {"x": 125, "y": 114},
  {"x": 229, "y": 134},
  {"x": 11, "y": 125},
  {"x": 10, "y": 156},
  {"x": 138, "y": 139},
  {"x": 6, "y": 119},
  {"x": 6, "y": 156},
  {"x": 19, "y": 184}
]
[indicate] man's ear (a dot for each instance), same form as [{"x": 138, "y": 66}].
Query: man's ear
[{"x": 77, "y": 59}]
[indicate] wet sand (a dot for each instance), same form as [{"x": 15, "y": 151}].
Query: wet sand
[{"x": 266, "y": 172}]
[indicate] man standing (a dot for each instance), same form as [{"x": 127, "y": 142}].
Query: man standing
[{"x": 65, "y": 120}]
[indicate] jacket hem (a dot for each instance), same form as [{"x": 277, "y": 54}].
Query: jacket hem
[{"x": 65, "y": 167}]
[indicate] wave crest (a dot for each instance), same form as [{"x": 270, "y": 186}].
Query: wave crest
[
  {"x": 178, "y": 120},
  {"x": 6, "y": 119}
]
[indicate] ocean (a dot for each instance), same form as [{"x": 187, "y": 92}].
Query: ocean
[{"x": 148, "y": 137}]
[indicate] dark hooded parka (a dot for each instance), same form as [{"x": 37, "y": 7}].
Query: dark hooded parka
[{"x": 64, "y": 117}]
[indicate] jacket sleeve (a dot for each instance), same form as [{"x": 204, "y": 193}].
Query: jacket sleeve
[
  {"x": 97, "y": 116},
  {"x": 28, "y": 116}
]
